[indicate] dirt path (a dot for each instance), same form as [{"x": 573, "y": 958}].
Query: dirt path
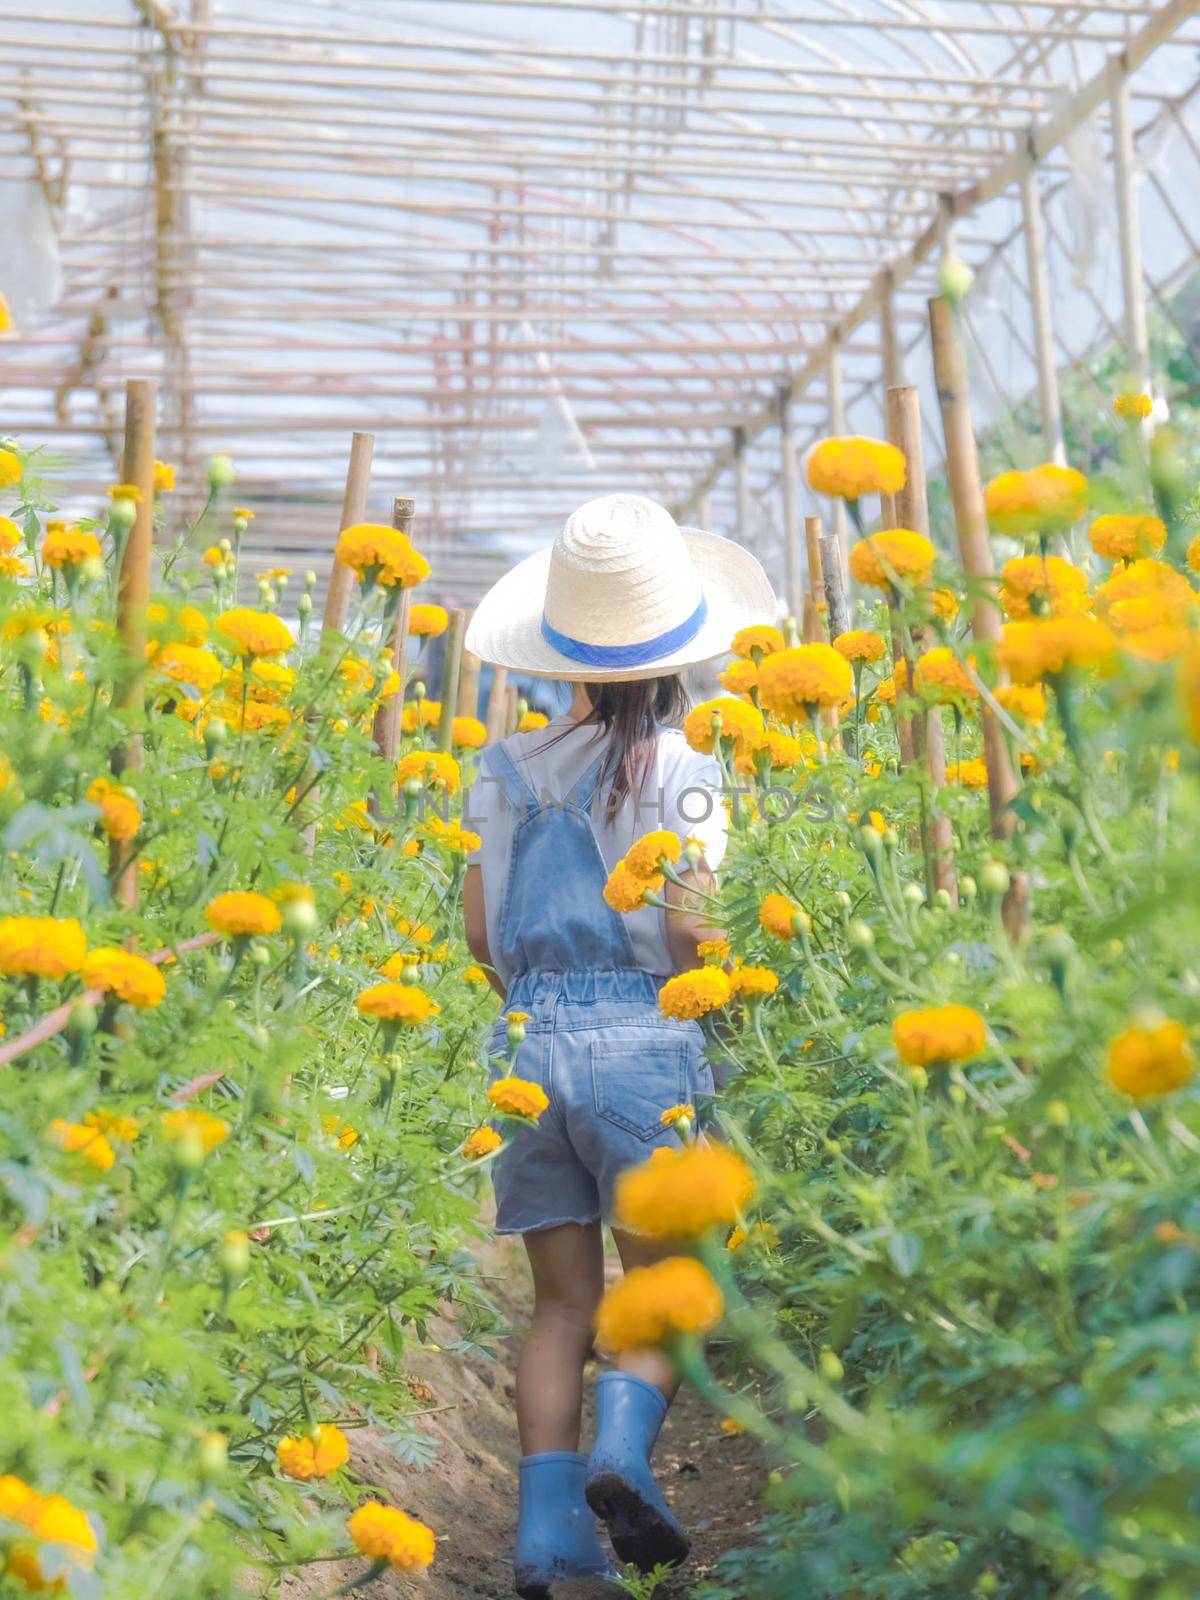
[{"x": 468, "y": 1496}]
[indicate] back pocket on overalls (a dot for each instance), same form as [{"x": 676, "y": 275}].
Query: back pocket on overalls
[{"x": 637, "y": 1074}]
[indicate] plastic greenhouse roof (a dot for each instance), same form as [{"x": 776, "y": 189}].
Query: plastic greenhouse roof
[{"x": 547, "y": 250}]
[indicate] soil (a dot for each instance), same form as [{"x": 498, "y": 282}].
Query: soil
[{"x": 468, "y": 1496}]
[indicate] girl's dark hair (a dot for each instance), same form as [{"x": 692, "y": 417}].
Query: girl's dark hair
[{"x": 629, "y": 715}]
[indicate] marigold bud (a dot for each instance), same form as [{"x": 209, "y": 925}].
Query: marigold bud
[
  {"x": 831, "y": 1367},
  {"x": 216, "y": 733},
  {"x": 994, "y": 878},
  {"x": 967, "y": 887},
  {"x": 860, "y": 935},
  {"x": 235, "y": 1255},
  {"x": 220, "y": 472},
  {"x": 83, "y": 1021},
  {"x": 304, "y": 605},
  {"x": 913, "y": 894},
  {"x": 942, "y": 900},
  {"x": 300, "y": 917},
  {"x": 214, "y": 1454}
]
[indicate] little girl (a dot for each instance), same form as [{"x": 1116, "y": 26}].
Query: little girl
[{"x": 618, "y": 607}]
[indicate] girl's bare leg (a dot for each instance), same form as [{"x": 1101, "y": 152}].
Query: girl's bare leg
[
  {"x": 651, "y": 1365},
  {"x": 568, "y": 1280}
]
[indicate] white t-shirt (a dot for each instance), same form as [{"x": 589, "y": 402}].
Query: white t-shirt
[{"x": 681, "y": 792}]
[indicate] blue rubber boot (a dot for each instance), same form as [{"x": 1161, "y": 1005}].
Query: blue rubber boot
[
  {"x": 620, "y": 1485},
  {"x": 556, "y": 1533}
]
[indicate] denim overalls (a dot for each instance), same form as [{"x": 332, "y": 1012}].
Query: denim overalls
[{"x": 596, "y": 1042}]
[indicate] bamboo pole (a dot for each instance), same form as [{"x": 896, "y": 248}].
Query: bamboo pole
[
  {"x": 814, "y": 596},
  {"x": 836, "y": 394},
  {"x": 468, "y": 685},
  {"x": 892, "y": 358},
  {"x": 133, "y": 594},
  {"x": 1129, "y": 226},
  {"x": 354, "y": 507},
  {"x": 835, "y": 588},
  {"x": 1039, "y": 305},
  {"x": 512, "y": 696},
  {"x": 497, "y": 704},
  {"x": 787, "y": 485},
  {"x": 970, "y": 517},
  {"x": 451, "y": 669},
  {"x": 929, "y": 737},
  {"x": 388, "y": 717}
]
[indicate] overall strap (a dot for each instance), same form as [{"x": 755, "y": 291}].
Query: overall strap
[
  {"x": 518, "y": 791},
  {"x": 589, "y": 782}
]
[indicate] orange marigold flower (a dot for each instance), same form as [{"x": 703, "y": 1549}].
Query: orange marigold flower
[
  {"x": 386, "y": 1534},
  {"x": 1044, "y": 499},
  {"x": 432, "y": 767},
  {"x": 164, "y": 477},
  {"x": 693, "y": 994},
  {"x": 626, "y": 891},
  {"x": 518, "y": 1097},
  {"x": 41, "y": 947},
  {"x": 427, "y": 621},
  {"x": 1031, "y": 650},
  {"x": 942, "y": 678},
  {"x": 752, "y": 983},
  {"x": 240, "y": 913},
  {"x": 1133, "y": 406},
  {"x": 10, "y": 468},
  {"x": 739, "y": 677},
  {"x": 1143, "y": 594},
  {"x": 969, "y": 774},
  {"x": 794, "y": 683},
  {"x": 851, "y": 467},
  {"x": 468, "y": 733},
  {"x": 682, "y": 1193},
  {"x": 938, "y": 1036},
  {"x": 130, "y": 977},
  {"x": 396, "y": 1003},
  {"x": 531, "y": 721},
  {"x": 418, "y": 714},
  {"x": 729, "y": 720},
  {"x": 254, "y": 633},
  {"x": 645, "y": 856},
  {"x": 784, "y": 751},
  {"x": 314, "y": 1455},
  {"x": 120, "y": 813},
  {"x": 1042, "y": 586},
  {"x": 381, "y": 555},
  {"x": 780, "y": 918},
  {"x": 1120, "y": 537},
  {"x": 943, "y": 604},
  {"x": 1025, "y": 701},
  {"x": 654, "y": 1305},
  {"x": 1150, "y": 1059},
  {"x": 80, "y": 1138},
  {"x": 860, "y": 644},
  {"x": 191, "y": 1124},
  {"x": 674, "y": 1115},
  {"x": 760, "y": 639},
  {"x": 895, "y": 553},
  {"x": 66, "y": 547},
  {"x": 481, "y": 1143}
]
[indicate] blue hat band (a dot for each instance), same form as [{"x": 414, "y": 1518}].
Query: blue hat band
[{"x": 627, "y": 655}]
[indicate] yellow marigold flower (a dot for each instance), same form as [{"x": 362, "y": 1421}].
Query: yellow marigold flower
[
  {"x": 1119, "y": 537},
  {"x": 254, "y": 633},
  {"x": 1025, "y": 701},
  {"x": 684, "y": 1192},
  {"x": 676, "y": 1114},
  {"x": 645, "y": 856},
  {"x": 1042, "y": 586},
  {"x": 532, "y": 721},
  {"x": 452, "y": 835},
  {"x": 793, "y": 683},
  {"x": 713, "y": 951},
  {"x": 732, "y": 1427},
  {"x": 419, "y": 714},
  {"x": 626, "y": 891},
  {"x": 381, "y": 555},
  {"x": 739, "y": 677},
  {"x": 778, "y": 917},
  {"x": 764, "y": 1232},
  {"x": 18, "y": 1502},
  {"x": 10, "y": 468},
  {"x": 654, "y": 1305},
  {"x": 692, "y": 994},
  {"x": 239, "y": 913},
  {"x": 969, "y": 774},
  {"x": 432, "y": 767},
  {"x": 164, "y": 477},
  {"x": 884, "y": 693},
  {"x": 943, "y": 604},
  {"x": 208, "y": 1131},
  {"x": 244, "y": 514},
  {"x": 385, "y": 1534},
  {"x": 1133, "y": 406},
  {"x": 481, "y": 1143},
  {"x": 343, "y": 1132},
  {"x": 130, "y": 977},
  {"x": 942, "y": 679},
  {"x": 474, "y": 975},
  {"x": 784, "y": 751},
  {"x": 938, "y": 1036},
  {"x": 12, "y": 567},
  {"x": 427, "y": 621},
  {"x": 214, "y": 556},
  {"x": 1122, "y": 599},
  {"x": 119, "y": 1127},
  {"x": 120, "y": 813},
  {"x": 67, "y": 546},
  {"x": 396, "y": 1002},
  {"x": 1044, "y": 499},
  {"x": 268, "y": 680},
  {"x": 313, "y": 1455},
  {"x": 125, "y": 491},
  {"x": 760, "y": 639},
  {"x": 356, "y": 673},
  {"x": 726, "y": 719},
  {"x": 41, "y": 947},
  {"x": 860, "y": 644},
  {"x": 894, "y": 553},
  {"x": 468, "y": 732},
  {"x": 78, "y": 1138},
  {"x": 752, "y": 983},
  {"x": 852, "y": 467},
  {"x": 1150, "y": 1059},
  {"x": 1030, "y": 650},
  {"x": 517, "y": 1097},
  {"x": 56, "y": 1521}
]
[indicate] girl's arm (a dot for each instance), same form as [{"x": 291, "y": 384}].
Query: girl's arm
[
  {"x": 475, "y": 920},
  {"x": 688, "y": 924}
]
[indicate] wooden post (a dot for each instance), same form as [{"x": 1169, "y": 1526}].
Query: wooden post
[
  {"x": 512, "y": 696},
  {"x": 928, "y": 734},
  {"x": 1129, "y": 226},
  {"x": 497, "y": 705},
  {"x": 1039, "y": 303},
  {"x": 835, "y": 588},
  {"x": 787, "y": 485},
  {"x": 133, "y": 594},
  {"x": 451, "y": 667},
  {"x": 741, "y": 485},
  {"x": 354, "y": 508},
  {"x": 814, "y": 596},
  {"x": 388, "y": 716},
  {"x": 970, "y": 517},
  {"x": 892, "y": 360},
  {"x": 468, "y": 685},
  {"x": 837, "y": 427}
]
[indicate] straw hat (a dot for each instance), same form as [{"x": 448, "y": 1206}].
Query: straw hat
[{"x": 622, "y": 593}]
